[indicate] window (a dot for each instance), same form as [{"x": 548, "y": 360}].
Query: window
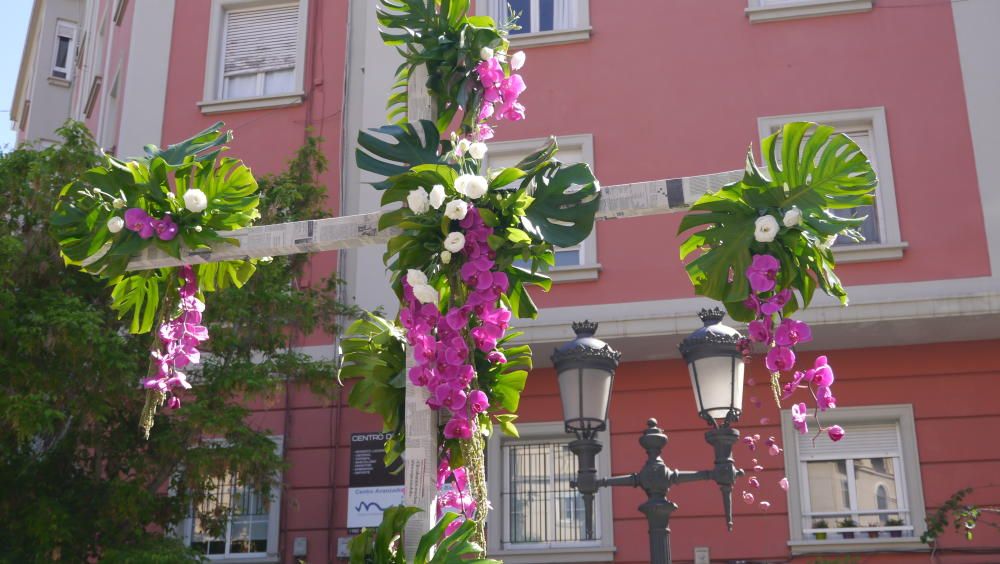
[
  {"x": 256, "y": 55},
  {"x": 542, "y": 22},
  {"x": 867, "y": 127},
  {"x": 871, "y": 478},
  {"x": 573, "y": 264},
  {"x": 63, "y": 51},
  {"x": 538, "y": 517},
  {"x": 775, "y": 10},
  {"x": 251, "y": 530}
]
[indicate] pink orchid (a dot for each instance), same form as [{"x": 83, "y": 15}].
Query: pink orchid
[
  {"x": 748, "y": 498},
  {"x": 776, "y": 303},
  {"x": 165, "y": 228},
  {"x": 836, "y": 432},
  {"x": 792, "y": 332},
  {"x": 774, "y": 450},
  {"x": 478, "y": 401},
  {"x": 763, "y": 272},
  {"x": 457, "y": 428},
  {"x": 753, "y": 482},
  {"x": 822, "y": 373},
  {"x": 139, "y": 221},
  {"x": 496, "y": 357},
  {"x": 825, "y": 399},
  {"x": 799, "y": 414},
  {"x": 760, "y": 330},
  {"x": 780, "y": 359}
]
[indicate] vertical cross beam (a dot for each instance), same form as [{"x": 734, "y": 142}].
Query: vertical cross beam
[{"x": 420, "y": 457}]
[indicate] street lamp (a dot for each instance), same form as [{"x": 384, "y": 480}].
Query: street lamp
[{"x": 586, "y": 366}]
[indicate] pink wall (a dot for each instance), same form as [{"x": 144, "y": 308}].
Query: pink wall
[
  {"x": 267, "y": 139},
  {"x": 678, "y": 92},
  {"x": 936, "y": 379}
]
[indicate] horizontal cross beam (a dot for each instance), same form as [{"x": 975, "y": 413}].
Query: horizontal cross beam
[{"x": 353, "y": 231}]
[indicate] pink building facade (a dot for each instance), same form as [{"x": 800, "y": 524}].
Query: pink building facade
[{"x": 643, "y": 90}]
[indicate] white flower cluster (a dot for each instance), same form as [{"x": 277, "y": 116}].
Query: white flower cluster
[
  {"x": 766, "y": 226},
  {"x": 423, "y": 291}
]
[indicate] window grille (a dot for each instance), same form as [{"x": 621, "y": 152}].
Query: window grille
[{"x": 245, "y": 532}]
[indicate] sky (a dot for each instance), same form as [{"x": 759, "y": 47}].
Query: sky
[{"x": 14, "y": 15}]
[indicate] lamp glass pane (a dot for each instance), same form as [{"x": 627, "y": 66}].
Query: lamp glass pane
[
  {"x": 714, "y": 382},
  {"x": 589, "y": 400}
]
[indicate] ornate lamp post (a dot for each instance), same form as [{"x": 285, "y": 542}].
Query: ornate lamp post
[{"x": 586, "y": 367}]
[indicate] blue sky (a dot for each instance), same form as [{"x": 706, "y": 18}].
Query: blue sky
[{"x": 13, "y": 25}]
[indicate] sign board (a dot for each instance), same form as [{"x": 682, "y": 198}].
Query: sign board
[{"x": 372, "y": 487}]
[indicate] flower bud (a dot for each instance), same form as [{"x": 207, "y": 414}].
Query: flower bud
[{"x": 115, "y": 224}]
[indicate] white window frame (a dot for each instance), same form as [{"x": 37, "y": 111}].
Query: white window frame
[
  {"x": 601, "y": 550},
  {"x": 890, "y": 245},
  {"x": 588, "y": 269},
  {"x": 908, "y": 481},
  {"x": 540, "y": 38},
  {"x": 273, "y": 523},
  {"x": 778, "y": 10},
  {"x": 61, "y": 27},
  {"x": 211, "y": 97}
]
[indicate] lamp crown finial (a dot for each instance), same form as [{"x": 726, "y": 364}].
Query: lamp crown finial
[
  {"x": 585, "y": 328},
  {"x": 711, "y": 316}
]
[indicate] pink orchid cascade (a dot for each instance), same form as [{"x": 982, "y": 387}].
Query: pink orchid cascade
[
  {"x": 500, "y": 93},
  {"x": 443, "y": 346},
  {"x": 180, "y": 338},
  {"x": 139, "y": 221},
  {"x": 454, "y": 495}
]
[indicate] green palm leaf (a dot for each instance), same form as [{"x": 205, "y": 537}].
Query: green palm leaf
[
  {"x": 811, "y": 168},
  {"x": 565, "y": 202},
  {"x": 412, "y": 147}
]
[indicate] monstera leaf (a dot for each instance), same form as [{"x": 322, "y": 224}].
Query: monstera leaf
[
  {"x": 815, "y": 170},
  {"x": 565, "y": 201},
  {"x": 409, "y": 150},
  {"x": 203, "y": 146}
]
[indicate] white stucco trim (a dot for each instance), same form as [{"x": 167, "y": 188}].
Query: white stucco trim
[
  {"x": 978, "y": 45},
  {"x": 547, "y": 38},
  {"x": 777, "y": 10},
  {"x": 145, "y": 97},
  {"x": 210, "y": 94}
]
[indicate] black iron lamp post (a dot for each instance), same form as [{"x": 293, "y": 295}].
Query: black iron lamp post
[{"x": 586, "y": 366}]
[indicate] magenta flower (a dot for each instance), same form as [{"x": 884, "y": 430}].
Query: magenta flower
[
  {"x": 760, "y": 330},
  {"x": 792, "y": 332},
  {"x": 496, "y": 357},
  {"x": 453, "y": 526},
  {"x": 444, "y": 470},
  {"x": 836, "y": 432},
  {"x": 484, "y": 132},
  {"x": 780, "y": 359},
  {"x": 748, "y": 498},
  {"x": 451, "y": 397},
  {"x": 174, "y": 402},
  {"x": 165, "y": 228},
  {"x": 751, "y": 444},
  {"x": 822, "y": 374},
  {"x": 776, "y": 303},
  {"x": 799, "y": 414},
  {"x": 490, "y": 72},
  {"x": 774, "y": 450},
  {"x": 139, "y": 221},
  {"x": 763, "y": 272},
  {"x": 825, "y": 399},
  {"x": 457, "y": 428},
  {"x": 753, "y": 482},
  {"x": 478, "y": 401}
]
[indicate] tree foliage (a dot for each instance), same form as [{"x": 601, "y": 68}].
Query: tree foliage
[{"x": 77, "y": 481}]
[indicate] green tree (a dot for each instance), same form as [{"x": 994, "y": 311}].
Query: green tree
[{"x": 77, "y": 480}]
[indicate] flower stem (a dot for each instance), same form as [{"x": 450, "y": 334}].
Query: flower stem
[{"x": 155, "y": 398}]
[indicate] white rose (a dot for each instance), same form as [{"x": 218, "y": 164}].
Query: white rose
[
  {"x": 456, "y": 209},
  {"x": 476, "y": 187},
  {"x": 197, "y": 228},
  {"x": 437, "y": 196},
  {"x": 792, "y": 217},
  {"x": 195, "y": 200},
  {"x": 115, "y": 224},
  {"x": 454, "y": 242},
  {"x": 461, "y": 183},
  {"x": 477, "y": 150},
  {"x": 416, "y": 278},
  {"x": 445, "y": 257},
  {"x": 462, "y": 147},
  {"x": 418, "y": 201},
  {"x": 765, "y": 229},
  {"x": 425, "y": 294},
  {"x": 486, "y": 53},
  {"x": 517, "y": 60}
]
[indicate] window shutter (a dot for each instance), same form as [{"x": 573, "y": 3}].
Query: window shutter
[
  {"x": 260, "y": 40},
  {"x": 861, "y": 441}
]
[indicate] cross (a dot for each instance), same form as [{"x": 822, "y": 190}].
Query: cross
[{"x": 348, "y": 232}]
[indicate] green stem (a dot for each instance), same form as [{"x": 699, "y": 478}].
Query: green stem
[{"x": 155, "y": 398}]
